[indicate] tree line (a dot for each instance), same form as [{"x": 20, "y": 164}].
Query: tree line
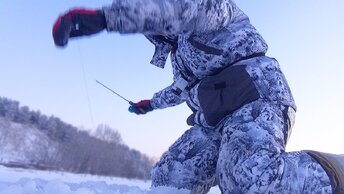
[{"x": 102, "y": 152}]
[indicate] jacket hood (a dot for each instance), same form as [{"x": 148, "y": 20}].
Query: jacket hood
[{"x": 163, "y": 46}]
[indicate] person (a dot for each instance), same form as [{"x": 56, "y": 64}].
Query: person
[{"x": 243, "y": 108}]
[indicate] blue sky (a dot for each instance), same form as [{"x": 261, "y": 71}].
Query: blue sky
[{"x": 306, "y": 37}]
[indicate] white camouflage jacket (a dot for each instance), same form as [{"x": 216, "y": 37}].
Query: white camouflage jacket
[{"x": 201, "y": 36}]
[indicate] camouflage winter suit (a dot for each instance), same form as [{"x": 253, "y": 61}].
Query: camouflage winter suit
[{"x": 244, "y": 150}]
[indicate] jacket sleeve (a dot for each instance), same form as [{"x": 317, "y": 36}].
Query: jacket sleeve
[
  {"x": 167, "y": 97},
  {"x": 167, "y": 17}
]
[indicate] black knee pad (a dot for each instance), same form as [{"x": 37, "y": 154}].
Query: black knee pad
[{"x": 333, "y": 164}]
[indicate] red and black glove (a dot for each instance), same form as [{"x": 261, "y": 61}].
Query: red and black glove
[
  {"x": 77, "y": 22},
  {"x": 141, "y": 107}
]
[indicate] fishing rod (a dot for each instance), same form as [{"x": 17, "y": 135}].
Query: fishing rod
[
  {"x": 132, "y": 108},
  {"x": 130, "y": 102}
]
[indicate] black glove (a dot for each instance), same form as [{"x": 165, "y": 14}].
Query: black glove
[
  {"x": 141, "y": 107},
  {"x": 77, "y": 22}
]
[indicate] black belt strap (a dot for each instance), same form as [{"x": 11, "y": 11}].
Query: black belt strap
[{"x": 196, "y": 81}]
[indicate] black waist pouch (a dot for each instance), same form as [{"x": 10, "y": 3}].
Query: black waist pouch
[{"x": 221, "y": 94}]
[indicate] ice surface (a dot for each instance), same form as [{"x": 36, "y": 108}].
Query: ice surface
[{"x": 24, "y": 181}]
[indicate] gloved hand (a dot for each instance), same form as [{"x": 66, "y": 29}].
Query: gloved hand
[
  {"x": 77, "y": 22},
  {"x": 141, "y": 107}
]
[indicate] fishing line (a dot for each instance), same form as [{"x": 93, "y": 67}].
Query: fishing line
[{"x": 81, "y": 61}]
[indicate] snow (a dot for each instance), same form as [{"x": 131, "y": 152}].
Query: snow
[{"x": 24, "y": 181}]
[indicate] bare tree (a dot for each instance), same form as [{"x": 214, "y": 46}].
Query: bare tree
[
  {"x": 48, "y": 141},
  {"x": 106, "y": 133}
]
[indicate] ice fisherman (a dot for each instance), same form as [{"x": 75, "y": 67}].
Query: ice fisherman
[{"x": 243, "y": 109}]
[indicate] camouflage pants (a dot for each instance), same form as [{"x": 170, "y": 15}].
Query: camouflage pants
[
  {"x": 247, "y": 157},
  {"x": 252, "y": 155},
  {"x": 190, "y": 163}
]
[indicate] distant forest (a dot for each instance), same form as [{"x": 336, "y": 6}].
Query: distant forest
[{"x": 102, "y": 152}]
